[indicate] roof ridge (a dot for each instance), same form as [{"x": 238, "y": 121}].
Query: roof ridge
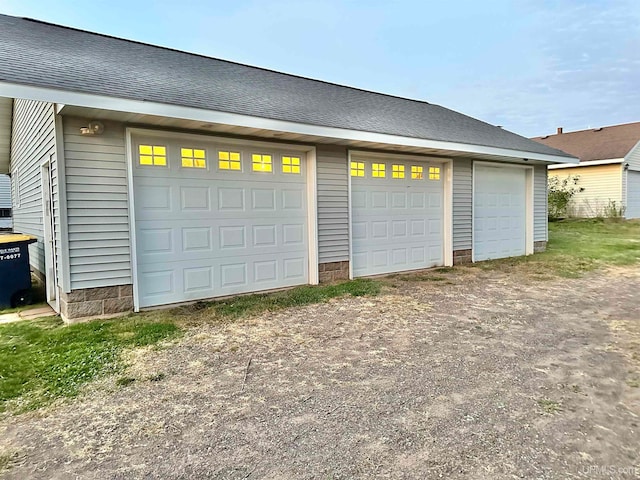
[
  {"x": 201, "y": 55},
  {"x": 593, "y": 129}
]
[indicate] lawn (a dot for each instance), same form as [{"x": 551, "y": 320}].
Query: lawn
[{"x": 578, "y": 246}]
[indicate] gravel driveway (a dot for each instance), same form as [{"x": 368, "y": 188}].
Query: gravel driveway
[{"x": 464, "y": 374}]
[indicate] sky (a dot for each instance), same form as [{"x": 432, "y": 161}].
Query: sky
[{"x": 527, "y": 65}]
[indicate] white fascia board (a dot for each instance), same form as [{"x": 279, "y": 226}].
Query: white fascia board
[
  {"x": 210, "y": 116},
  {"x": 590, "y": 163}
]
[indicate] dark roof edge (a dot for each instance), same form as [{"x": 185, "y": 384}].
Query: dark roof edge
[{"x": 162, "y": 47}]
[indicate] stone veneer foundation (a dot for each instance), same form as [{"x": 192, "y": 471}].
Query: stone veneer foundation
[
  {"x": 461, "y": 257},
  {"x": 330, "y": 272},
  {"x": 539, "y": 246},
  {"x": 93, "y": 302}
]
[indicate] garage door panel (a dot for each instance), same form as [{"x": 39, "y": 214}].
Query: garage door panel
[
  {"x": 499, "y": 208},
  {"x": 396, "y": 222},
  {"x": 633, "y": 194},
  {"x": 203, "y": 233}
]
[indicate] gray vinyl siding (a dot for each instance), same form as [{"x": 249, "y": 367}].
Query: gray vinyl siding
[
  {"x": 33, "y": 141},
  {"x": 6, "y": 108},
  {"x": 333, "y": 204},
  {"x": 462, "y": 204},
  {"x": 97, "y": 206},
  {"x": 540, "y": 224}
]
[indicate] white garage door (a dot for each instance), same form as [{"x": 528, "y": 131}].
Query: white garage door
[
  {"x": 397, "y": 215},
  {"x": 633, "y": 195},
  {"x": 499, "y": 212},
  {"x": 216, "y": 219}
]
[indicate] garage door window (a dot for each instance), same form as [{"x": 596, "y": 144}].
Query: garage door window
[
  {"x": 378, "y": 170},
  {"x": 434, "y": 173},
  {"x": 290, "y": 164},
  {"x": 229, "y": 160},
  {"x": 397, "y": 171},
  {"x": 416, "y": 172},
  {"x": 193, "y": 158},
  {"x": 153, "y": 155},
  {"x": 357, "y": 169},
  {"x": 261, "y": 163}
]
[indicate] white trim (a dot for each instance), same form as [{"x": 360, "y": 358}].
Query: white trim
[
  {"x": 48, "y": 234},
  {"x": 447, "y": 192},
  {"x": 589, "y": 163},
  {"x": 312, "y": 216},
  {"x": 210, "y": 116},
  {"x": 529, "y": 206},
  {"x": 349, "y": 215},
  {"x": 65, "y": 270},
  {"x": 132, "y": 220},
  {"x": 312, "y": 196}
]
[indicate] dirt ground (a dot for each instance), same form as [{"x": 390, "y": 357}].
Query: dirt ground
[{"x": 470, "y": 374}]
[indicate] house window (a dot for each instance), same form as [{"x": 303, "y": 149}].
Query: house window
[
  {"x": 290, "y": 164},
  {"x": 416, "y": 172},
  {"x": 357, "y": 169},
  {"x": 229, "y": 161},
  {"x": 153, "y": 155},
  {"x": 193, "y": 158},
  {"x": 434, "y": 173},
  {"x": 397, "y": 171},
  {"x": 378, "y": 170},
  {"x": 261, "y": 163},
  {"x": 5, "y": 213}
]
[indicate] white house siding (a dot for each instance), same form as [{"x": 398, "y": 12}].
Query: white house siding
[
  {"x": 540, "y": 215},
  {"x": 602, "y": 184},
  {"x": 5, "y": 200},
  {"x": 462, "y": 204},
  {"x": 333, "y": 204},
  {"x": 633, "y": 158},
  {"x": 97, "y": 206},
  {"x": 33, "y": 141}
]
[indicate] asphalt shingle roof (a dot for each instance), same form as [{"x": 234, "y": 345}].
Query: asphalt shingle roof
[
  {"x": 45, "y": 55},
  {"x": 596, "y": 144}
]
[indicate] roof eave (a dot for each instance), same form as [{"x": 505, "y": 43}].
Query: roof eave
[
  {"x": 588, "y": 163},
  {"x": 80, "y": 99}
]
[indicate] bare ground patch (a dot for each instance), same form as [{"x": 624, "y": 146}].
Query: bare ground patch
[{"x": 463, "y": 374}]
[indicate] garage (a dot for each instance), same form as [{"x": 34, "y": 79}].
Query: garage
[
  {"x": 216, "y": 217},
  {"x": 633, "y": 194},
  {"x": 500, "y": 211},
  {"x": 397, "y": 214}
]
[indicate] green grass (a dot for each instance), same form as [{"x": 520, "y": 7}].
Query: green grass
[
  {"x": 253, "y": 304},
  {"x": 550, "y": 407},
  {"x": 579, "y": 246},
  {"x": 45, "y": 359}
]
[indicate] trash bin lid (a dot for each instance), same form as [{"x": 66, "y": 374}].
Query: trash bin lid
[{"x": 17, "y": 237}]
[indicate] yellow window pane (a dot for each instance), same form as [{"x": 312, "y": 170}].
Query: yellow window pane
[
  {"x": 146, "y": 160},
  {"x": 158, "y": 150},
  {"x": 286, "y": 160},
  {"x": 187, "y": 162},
  {"x": 235, "y": 156},
  {"x": 266, "y": 158},
  {"x": 286, "y": 168},
  {"x": 186, "y": 152},
  {"x": 145, "y": 150},
  {"x": 416, "y": 172},
  {"x": 295, "y": 160},
  {"x": 197, "y": 153},
  {"x": 200, "y": 163},
  {"x": 256, "y": 158},
  {"x": 235, "y": 165},
  {"x": 223, "y": 165},
  {"x": 160, "y": 161},
  {"x": 223, "y": 155},
  {"x": 378, "y": 170},
  {"x": 295, "y": 169}
]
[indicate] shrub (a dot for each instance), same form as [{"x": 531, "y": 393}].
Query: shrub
[{"x": 560, "y": 193}]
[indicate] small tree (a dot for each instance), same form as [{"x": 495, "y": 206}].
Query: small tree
[{"x": 560, "y": 194}]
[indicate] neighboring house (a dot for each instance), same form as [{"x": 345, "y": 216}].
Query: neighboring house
[
  {"x": 152, "y": 176},
  {"x": 609, "y": 169},
  {"x": 5, "y": 202}
]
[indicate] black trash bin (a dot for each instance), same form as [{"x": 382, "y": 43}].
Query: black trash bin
[{"x": 15, "y": 276}]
